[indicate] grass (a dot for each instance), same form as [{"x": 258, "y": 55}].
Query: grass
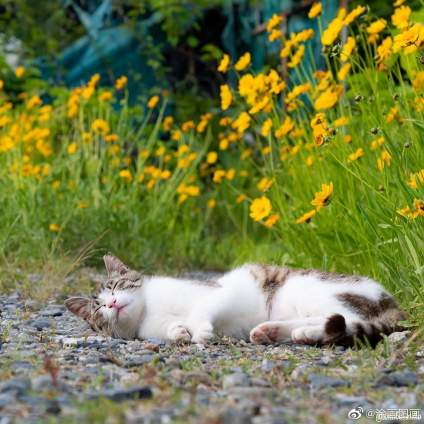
[{"x": 88, "y": 174}]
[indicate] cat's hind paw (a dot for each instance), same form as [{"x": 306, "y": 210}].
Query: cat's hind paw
[
  {"x": 310, "y": 335},
  {"x": 179, "y": 334}
]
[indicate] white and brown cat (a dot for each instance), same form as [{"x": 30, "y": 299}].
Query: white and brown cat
[{"x": 268, "y": 304}]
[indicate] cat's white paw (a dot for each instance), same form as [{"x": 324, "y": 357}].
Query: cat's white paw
[
  {"x": 265, "y": 333},
  {"x": 307, "y": 335},
  {"x": 203, "y": 334},
  {"x": 179, "y": 333}
]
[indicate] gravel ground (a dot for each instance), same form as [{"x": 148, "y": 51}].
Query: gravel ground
[{"x": 53, "y": 368}]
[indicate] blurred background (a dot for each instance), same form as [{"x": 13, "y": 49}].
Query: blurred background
[{"x": 169, "y": 44}]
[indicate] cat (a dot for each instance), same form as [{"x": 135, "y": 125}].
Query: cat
[{"x": 264, "y": 303}]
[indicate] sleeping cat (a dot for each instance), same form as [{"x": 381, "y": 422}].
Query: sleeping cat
[{"x": 268, "y": 304}]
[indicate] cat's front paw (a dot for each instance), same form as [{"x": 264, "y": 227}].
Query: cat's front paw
[
  {"x": 178, "y": 333},
  {"x": 203, "y": 334},
  {"x": 264, "y": 334}
]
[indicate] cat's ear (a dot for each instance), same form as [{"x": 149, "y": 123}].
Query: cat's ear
[
  {"x": 79, "y": 306},
  {"x": 114, "y": 265}
]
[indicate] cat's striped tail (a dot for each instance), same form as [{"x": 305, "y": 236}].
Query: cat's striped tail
[{"x": 370, "y": 331}]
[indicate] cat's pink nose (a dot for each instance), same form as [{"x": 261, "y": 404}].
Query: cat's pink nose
[{"x": 111, "y": 303}]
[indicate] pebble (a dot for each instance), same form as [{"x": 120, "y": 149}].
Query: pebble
[
  {"x": 120, "y": 394},
  {"x": 319, "y": 381},
  {"x": 399, "y": 379},
  {"x": 235, "y": 379}
]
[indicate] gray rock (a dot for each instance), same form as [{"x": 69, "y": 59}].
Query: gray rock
[
  {"x": 235, "y": 379},
  {"x": 399, "y": 336},
  {"x": 234, "y": 416},
  {"x": 53, "y": 311},
  {"x": 120, "y": 394},
  {"x": 40, "y": 324},
  {"x": 318, "y": 381},
  {"x": 6, "y": 399},
  {"x": 399, "y": 379},
  {"x": 16, "y": 385},
  {"x": 346, "y": 400},
  {"x": 136, "y": 361}
]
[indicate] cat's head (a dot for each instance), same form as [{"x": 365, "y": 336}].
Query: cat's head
[{"x": 116, "y": 308}]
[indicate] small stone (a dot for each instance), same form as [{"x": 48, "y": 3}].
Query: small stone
[
  {"x": 41, "y": 324},
  {"x": 53, "y": 311},
  {"x": 6, "y": 399},
  {"x": 346, "y": 400},
  {"x": 235, "y": 379},
  {"x": 234, "y": 416},
  {"x": 399, "y": 379},
  {"x": 69, "y": 341},
  {"x": 319, "y": 381},
  {"x": 53, "y": 407},
  {"x": 16, "y": 385},
  {"x": 137, "y": 361},
  {"x": 267, "y": 365},
  {"x": 119, "y": 395},
  {"x": 399, "y": 336}
]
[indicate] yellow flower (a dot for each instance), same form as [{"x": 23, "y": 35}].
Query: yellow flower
[
  {"x": 377, "y": 142},
  {"x": 418, "y": 82},
  {"x": 82, "y": 205},
  {"x": 72, "y": 148},
  {"x": 285, "y": 128},
  {"x": 270, "y": 222},
  {"x": 327, "y": 99},
  {"x": 273, "y": 22},
  {"x": 359, "y": 10},
  {"x": 241, "y": 198},
  {"x": 243, "y": 62},
  {"x": 121, "y": 82},
  {"x": 224, "y": 64},
  {"x": 242, "y": 123},
  {"x": 343, "y": 71},
  {"x": 187, "y": 126},
  {"x": 410, "y": 39},
  {"x": 165, "y": 174},
  {"x": 275, "y": 35},
  {"x": 393, "y": 114},
  {"x": 86, "y": 137},
  {"x": 340, "y": 122},
  {"x": 265, "y": 184},
  {"x": 19, "y": 71},
  {"x": 297, "y": 57},
  {"x": 167, "y": 123},
  {"x": 230, "y": 174},
  {"x": 211, "y": 158},
  {"x": 322, "y": 197},
  {"x": 347, "y": 138},
  {"x": 384, "y": 50},
  {"x": 33, "y": 102},
  {"x": 375, "y": 28},
  {"x": 211, "y": 203},
  {"x": 398, "y": 3},
  {"x": 309, "y": 161},
  {"x": 306, "y": 217},
  {"x": 356, "y": 155},
  {"x": 400, "y": 19},
  {"x": 315, "y": 10},
  {"x": 100, "y": 126},
  {"x": 330, "y": 34},
  {"x": 347, "y": 49},
  {"x": 226, "y": 97},
  {"x": 266, "y": 127},
  {"x": 54, "y": 227},
  {"x": 260, "y": 208},
  {"x": 319, "y": 128},
  {"x": 153, "y": 101},
  {"x": 105, "y": 96},
  {"x": 384, "y": 159},
  {"x": 110, "y": 138},
  {"x": 126, "y": 175},
  {"x": 56, "y": 184},
  {"x": 218, "y": 176}
]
